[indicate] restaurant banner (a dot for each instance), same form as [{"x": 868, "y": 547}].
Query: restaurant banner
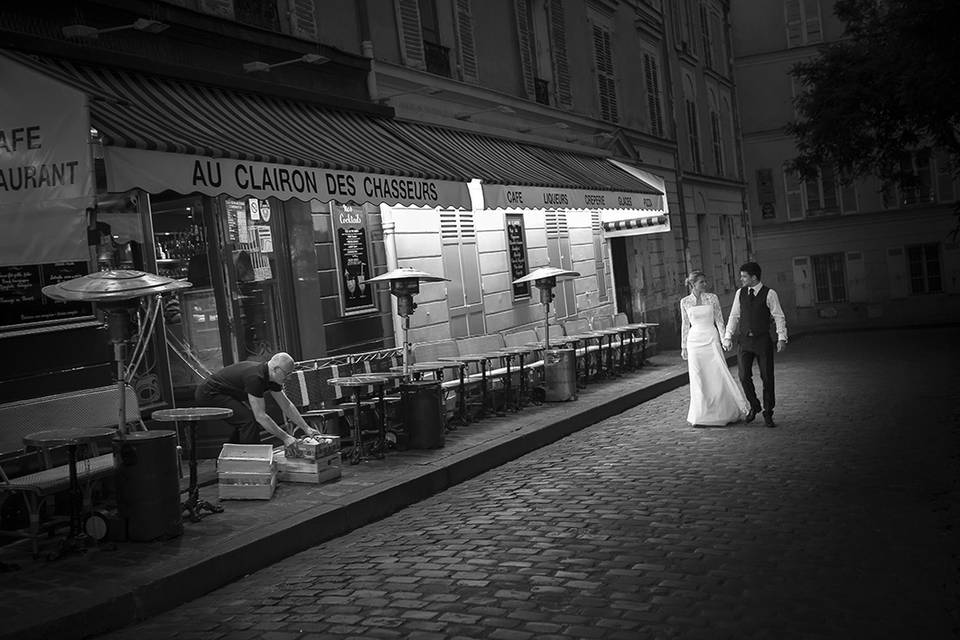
[
  {"x": 156, "y": 171},
  {"x": 498, "y": 196},
  {"x": 46, "y": 177}
]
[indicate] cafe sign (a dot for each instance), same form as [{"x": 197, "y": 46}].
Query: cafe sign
[
  {"x": 156, "y": 171},
  {"x": 522, "y": 197}
]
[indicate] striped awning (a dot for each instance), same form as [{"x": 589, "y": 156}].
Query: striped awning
[
  {"x": 636, "y": 226},
  {"x": 160, "y": 133},
  {"x": 518, "y": 175}
]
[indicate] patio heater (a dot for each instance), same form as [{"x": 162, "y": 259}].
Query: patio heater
[
  {"x": 404, "y": 284},
  {"x": 117, "y": 294},
  {"x": 147, "y": 480},
  {"x": 559, "y": 365}
]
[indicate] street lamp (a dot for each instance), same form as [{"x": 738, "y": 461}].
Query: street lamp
[{"x": 404, "y": 284}]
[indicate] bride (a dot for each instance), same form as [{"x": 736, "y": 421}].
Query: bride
[{"x": 716, "y": 397}]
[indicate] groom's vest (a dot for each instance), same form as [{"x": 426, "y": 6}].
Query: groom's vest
[{"x": 754, "y": 313}]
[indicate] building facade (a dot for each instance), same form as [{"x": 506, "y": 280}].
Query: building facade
[
  {"x": 278, "y": 153},
  {"x": 842, "y": 254}
]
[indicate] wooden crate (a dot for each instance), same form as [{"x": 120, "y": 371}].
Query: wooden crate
[
  {"x": 245, "y": 458},
  {"x": 247, "y": 486},
  {"x": 308, "y": 471},
  {"x": 316, "y": 447}
]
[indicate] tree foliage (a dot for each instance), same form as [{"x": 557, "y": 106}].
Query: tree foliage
[{"x": 890, "y": 85}]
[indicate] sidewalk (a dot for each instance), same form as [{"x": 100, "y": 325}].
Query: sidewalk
[{"x": 83, "y": 595}]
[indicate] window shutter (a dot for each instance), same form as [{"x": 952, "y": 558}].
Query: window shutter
[
  {"x": 951, "y": 267},
  {"x": 791, "y": 185},
  {"x": 794, "y": 21},
  {"x": 558, "y": 49},
  {"x": 802, "y": 294},
  {"x": 897, "y": 270},
  {"x": 603, "y": 60},
  {"x": 303, "y": 20},
  {"x": 812, "y": 30},
  {"x": 525, "y": 40},
  {"x": 411, "y": 37},
  {"x": 466, "y": 42},
  {"x": 945, "y": 191},
  {"x": 848, "y": 197},
  {"x": 654, "y": 107},
  {"x": 219, "y": 8},
  {"x": 856, "y": 277}
]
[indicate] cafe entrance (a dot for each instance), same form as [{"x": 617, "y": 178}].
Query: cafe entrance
[{"x": 227, "y": 248}]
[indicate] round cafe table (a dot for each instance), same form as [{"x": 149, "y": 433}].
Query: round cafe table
[
  {"x": 73, "y": 438},
  {"x": 191, "y": 415},
  {"x": 353, "y": 385}
]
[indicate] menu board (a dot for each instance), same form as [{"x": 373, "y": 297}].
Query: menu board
[
  {"x": 22, "y": 301},
  {"x": 353, "y": 258},
  {"x": 517, "y": 250}
]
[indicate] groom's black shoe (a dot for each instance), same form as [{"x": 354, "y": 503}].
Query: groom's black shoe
[
  {"x": 750, "y": 415},
  {"x": 768, "y": 420}
]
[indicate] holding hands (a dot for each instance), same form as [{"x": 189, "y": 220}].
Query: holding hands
[{"x": 726, "y": 343}]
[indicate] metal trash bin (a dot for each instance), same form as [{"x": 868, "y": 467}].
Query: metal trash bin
[
  {"x": 560, "y": 375},
  {"x": 148, "y": 485},
  {"x": 423, "y": 413}
]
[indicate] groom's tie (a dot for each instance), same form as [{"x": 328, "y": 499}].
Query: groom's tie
[{"x": 751, "y": 295}]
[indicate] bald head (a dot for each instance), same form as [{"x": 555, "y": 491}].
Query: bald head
[{"x": 280, "y": 366}]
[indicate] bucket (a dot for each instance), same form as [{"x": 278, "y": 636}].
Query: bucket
[
  {"x": 148, "y": 484},
  {"x": 560, "y": 375}
]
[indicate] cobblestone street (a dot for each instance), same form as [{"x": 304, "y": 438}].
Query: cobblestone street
[{"x": 840, "y": 523}]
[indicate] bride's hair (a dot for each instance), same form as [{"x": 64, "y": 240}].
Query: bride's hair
[{"x": 693, "y": 278}]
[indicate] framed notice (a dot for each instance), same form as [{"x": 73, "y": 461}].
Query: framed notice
[
  {"x": 517, "y": 253},
  {"x": 22, "y": 302},
  {"x": 765, "y": 194},
  {"x": 352, "y": 249}
]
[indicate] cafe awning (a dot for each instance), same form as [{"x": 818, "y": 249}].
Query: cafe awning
[
  {"x": 163, "y": 133},
  {"x": 517, "y": 175},
  {"x": 636, "y": 223}
]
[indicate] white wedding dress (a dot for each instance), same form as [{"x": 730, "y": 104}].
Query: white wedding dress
[{"x": 716, "y": 397}]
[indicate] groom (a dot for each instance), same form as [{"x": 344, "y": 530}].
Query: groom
[{"x": 754, "y": 305}]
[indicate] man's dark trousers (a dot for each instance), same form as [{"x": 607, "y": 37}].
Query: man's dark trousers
[
  {"x": 759, "y": 348},
  {"x": 246, "y": 429}
]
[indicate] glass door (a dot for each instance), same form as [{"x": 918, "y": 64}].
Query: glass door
[
  {"x": 250, "y": 230},
  {"x": 196, "y": 323}
]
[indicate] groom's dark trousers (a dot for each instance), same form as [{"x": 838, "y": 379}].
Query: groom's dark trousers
[{"x": 760, "y": 348}]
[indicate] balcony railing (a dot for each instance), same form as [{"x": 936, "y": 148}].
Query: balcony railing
[{"x": 437, "y": 58}]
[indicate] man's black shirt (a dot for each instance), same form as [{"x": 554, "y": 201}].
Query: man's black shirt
[{"x": 242, "y": 378}]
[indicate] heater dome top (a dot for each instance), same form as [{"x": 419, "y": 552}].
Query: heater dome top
[
  {"x": 120, "y": 284},
  {"x": 543, "y": 273},
  {"x": 408, "y": 273}
]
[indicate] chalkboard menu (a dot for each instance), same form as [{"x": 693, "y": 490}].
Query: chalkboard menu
[
  {"x": 517, "y": 249},
  {"x": 353, "y": 258},
  {"x": 23, "y": 303}
]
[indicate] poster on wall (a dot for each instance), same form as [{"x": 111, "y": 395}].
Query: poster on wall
[
  {"x": 765, "y": 194},
  {"x": 517, "y": 253},
  {"x": 23, "y": 303},
  {"x": 353, "y": 258}
]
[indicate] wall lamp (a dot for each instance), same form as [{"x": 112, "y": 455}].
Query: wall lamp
[
  {"x": 425, "y": 91},
  {"x": 502, "y": 108},
  {"x": 92, "y": 33},
  {"x": 309, "y": 58},
  {"x": 552, "y": 125}
]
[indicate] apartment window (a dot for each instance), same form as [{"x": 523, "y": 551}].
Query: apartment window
[
  {"x": 829, "y": 280},
  {"x": 259, "y": 13},
  {"x": 436, "y": 56},
  {"x": 693, "y": 133},
  {"x": 706, "y": 37},
  {"x": 651, "y": 72},
  {"x": 923, "y": 262},
  {"x": 825, "y": 194},
  {"x": 803, "y": 22},
  {"x": 916, "y": 182}
]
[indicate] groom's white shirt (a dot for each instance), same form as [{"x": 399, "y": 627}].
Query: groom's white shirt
[{"x": 773, "y": 303}]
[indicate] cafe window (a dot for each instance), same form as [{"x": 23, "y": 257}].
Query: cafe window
[
  {"x": 517, "y": 251},
  {"x": 923, "y": 260},
  {"x": 829, "y": 277}
]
